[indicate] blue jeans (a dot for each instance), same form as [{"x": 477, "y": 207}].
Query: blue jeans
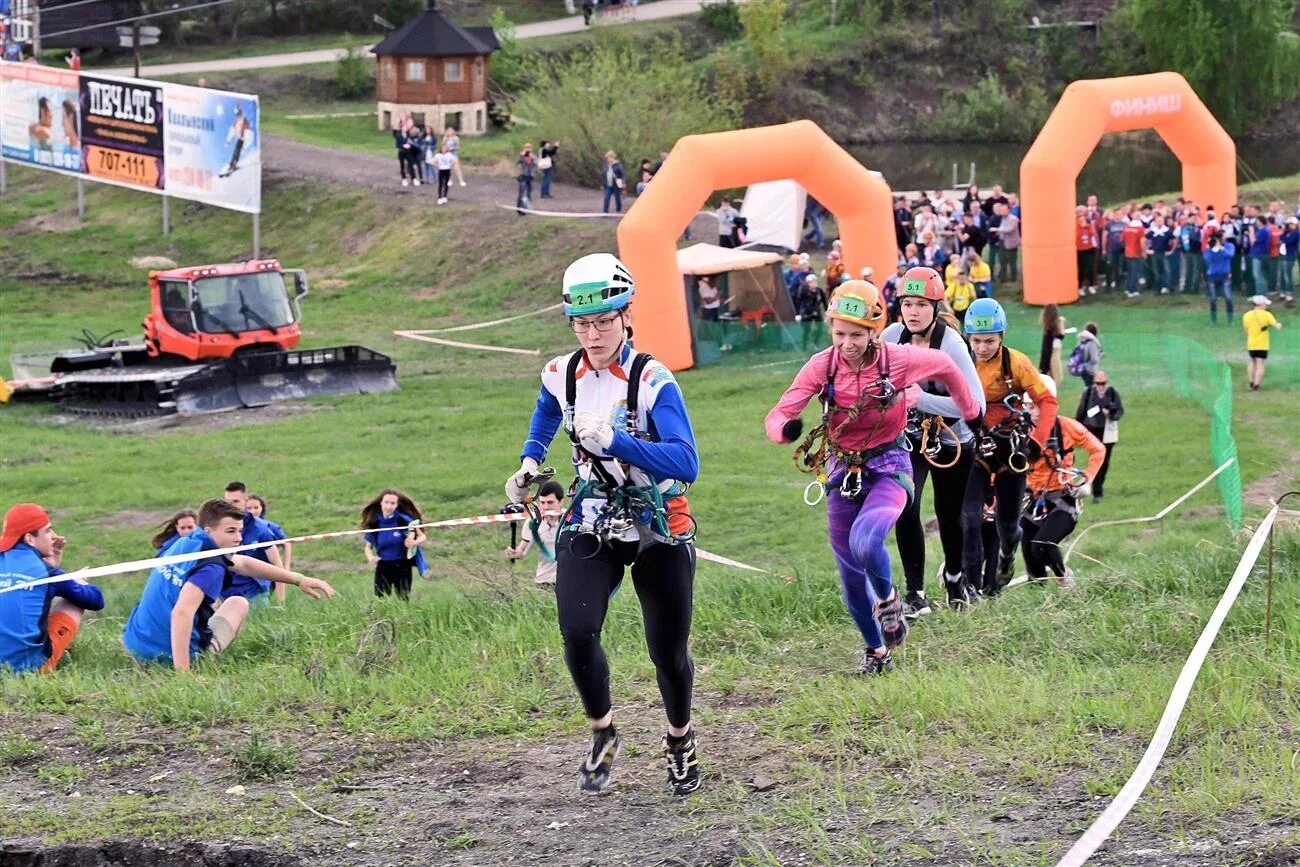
[
  {"x": 1114, "y": 267},
  {"x": 617, "y": 195},
  {"x": 1288, "y": 277},
  {"x": 1134, "y": 267},
  {"x": 984, "y": 290},
  {"x": 1192, "y": 271},
  {"x": 1220, "y": 287},
  {"x": 1158, "y": 271},
  {"x": 547, "y": 174},
  {"x": 1259, "y": 271},
  {"x": 1173, "y": 269},
  {"x": 814, "y": 233}
]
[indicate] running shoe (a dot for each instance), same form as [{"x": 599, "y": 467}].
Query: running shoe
[
  {"x": 594, "y": 773},
  {"x": 958, "y": 597},
  {"x": 683, "y": 763},
  {"x": 892, "y": 625},
  {"x": 915, "y": 605},
  {"x": 1066, "y": 581},
  {"x": 1006, "y": 565},
  {"x": 974, "y": 595},
  {"x": 874, "y": 663}
]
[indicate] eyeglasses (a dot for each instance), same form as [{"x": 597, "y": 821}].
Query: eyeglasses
[
  {"x": 581, "y": 326},
  {"x": 1100, "y": 381}
]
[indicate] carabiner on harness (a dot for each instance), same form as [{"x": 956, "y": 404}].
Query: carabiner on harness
[
  {"x": 815, "y": 492},
  {"x": 851, "y": 484}
]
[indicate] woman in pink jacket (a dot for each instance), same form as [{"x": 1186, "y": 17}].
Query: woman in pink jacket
[{"x": 858, "y": 452}]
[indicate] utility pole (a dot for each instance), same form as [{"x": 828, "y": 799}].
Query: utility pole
[
  {"x": 36, "y": 29},
  {"x": 135, "y": 46}
]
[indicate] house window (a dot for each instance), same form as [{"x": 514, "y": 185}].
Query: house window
[
  {"x": 478, "y": 69},
  {"x": 415, "y": 70},
  {"x": 451, "y": 70},
  {"x": 387, "y": 69}
]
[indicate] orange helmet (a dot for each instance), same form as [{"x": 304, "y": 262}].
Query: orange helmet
[
  {"x": 923, "y": 282},
  {"x": 858, "y": 302}
]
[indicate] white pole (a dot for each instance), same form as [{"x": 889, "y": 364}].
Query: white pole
[
  {"x": 81, "y": 199},
  {"x": 167, "y": 214},
  {"x": 257, "y": 236},
  {"x": 4, "y": 181}
]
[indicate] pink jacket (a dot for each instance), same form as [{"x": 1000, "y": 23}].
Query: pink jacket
[{"x": 905, "y": 364}]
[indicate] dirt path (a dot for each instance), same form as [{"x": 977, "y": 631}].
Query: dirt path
[{"x": 298, "y": 160}]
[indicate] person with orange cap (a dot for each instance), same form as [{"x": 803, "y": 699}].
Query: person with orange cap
[
  {"x": 857, "y": 453},
  {"x": 37, "y": 623}
]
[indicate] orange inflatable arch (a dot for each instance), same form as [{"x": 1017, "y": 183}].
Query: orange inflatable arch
[
  {"x": 1164, "y": 102},
  {"x": 700, "y": 164}
]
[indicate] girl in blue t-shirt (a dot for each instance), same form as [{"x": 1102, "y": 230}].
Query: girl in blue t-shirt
[
  {"x": 182, "y": 523},
  {"x": 393, "y": 547},
  {"x": 256, "y": 506}
]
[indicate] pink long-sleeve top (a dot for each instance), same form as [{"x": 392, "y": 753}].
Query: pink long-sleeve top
[{"x": 903, "y": 366}]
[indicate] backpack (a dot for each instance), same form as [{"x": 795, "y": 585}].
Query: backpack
[{"x": 1078, "y": 360}]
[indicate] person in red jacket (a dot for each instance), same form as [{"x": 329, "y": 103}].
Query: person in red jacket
[{"x": 1056, "y": 488}]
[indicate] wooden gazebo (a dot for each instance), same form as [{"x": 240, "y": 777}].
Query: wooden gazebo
[{"x": 437, "y": 71}]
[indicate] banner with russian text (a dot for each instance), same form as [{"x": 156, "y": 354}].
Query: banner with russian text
[
  {"x": 122, "y": 131},
  {"x": 214, "y": 148},
  {"x": 40, "y": 116}
]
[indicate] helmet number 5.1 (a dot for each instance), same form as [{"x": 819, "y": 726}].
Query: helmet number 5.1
[{"x": 914, "y": 287}]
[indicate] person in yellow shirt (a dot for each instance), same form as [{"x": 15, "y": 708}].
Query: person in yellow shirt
[
  {"x": 1257, "y": 323},
  {"x": 960, "y": 292},
  {"x": 981, "y": 275}
]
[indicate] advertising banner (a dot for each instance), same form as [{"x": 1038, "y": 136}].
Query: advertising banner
[
  {"x": 40, "y": 116},
  {"x": 122, "y": 131},
  {"x": 214, "y": 149}
]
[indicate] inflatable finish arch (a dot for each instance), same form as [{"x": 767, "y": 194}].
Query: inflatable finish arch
[
  {"x": 1088, "y": 109},
  {"x": 700, "y": 164}
]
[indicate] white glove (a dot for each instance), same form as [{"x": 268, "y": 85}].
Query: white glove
[
  {"x": 593, "y": 432},
  {"x": 517, "y": 486}
]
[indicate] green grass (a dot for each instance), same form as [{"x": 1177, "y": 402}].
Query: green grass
[{"x": 1043, "y": 691}]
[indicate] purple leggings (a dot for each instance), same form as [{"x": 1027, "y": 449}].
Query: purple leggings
[{"x": 858, "y": 529}]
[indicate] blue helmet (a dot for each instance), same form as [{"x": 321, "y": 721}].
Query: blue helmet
[
  {"x": 985, "y": 316},
  {"x": 596, "y": 283}
]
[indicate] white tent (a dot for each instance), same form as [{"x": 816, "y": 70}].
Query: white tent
[
  {"x": 774, "y": 214},
  {"x": 752, "y": 278}
]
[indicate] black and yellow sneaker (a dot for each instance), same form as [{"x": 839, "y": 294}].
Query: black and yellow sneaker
[
  {"x": 596, "y": 769},
  {"x": 683, "y": 763}
]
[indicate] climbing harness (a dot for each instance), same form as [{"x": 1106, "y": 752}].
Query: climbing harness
[
  {"x": 925, "y": 432},
  {"x": 626, "y": 504},
  {"x": 821, "y": 445},
  {"x": 1039, "y": 504},
  {"x": 1013, "y": 430}
]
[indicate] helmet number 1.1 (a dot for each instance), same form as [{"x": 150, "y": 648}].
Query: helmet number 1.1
[{"x": 852, "y": 307}]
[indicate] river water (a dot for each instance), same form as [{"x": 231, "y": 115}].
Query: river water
[{"x": 1120, "y": 169}]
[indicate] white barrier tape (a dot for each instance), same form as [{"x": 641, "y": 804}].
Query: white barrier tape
[
  {"x": 488, "y": 324},
  {"x": 725, "y": 561},
  {"x": 1156, "y": 517},
  {"x": 458, "y": 344},
  {"x": 154, "y": 562},
  {"x": 587, "y": 215},
  {"x": 1105, "y": 824}
]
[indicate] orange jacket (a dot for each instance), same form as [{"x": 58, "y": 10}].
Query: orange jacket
[
  {"x": 1044, "y": 478},
  {"x": 1024, "y": 377}
]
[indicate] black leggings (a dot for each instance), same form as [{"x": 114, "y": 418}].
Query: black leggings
[
  {"x": 1042, "y": 542},
  {"x": 949, "y": 489},
  {"x": 444, "y": 182},
  {"x": 393, "y": 576},
  {"x": 1099, "y": 483},
  {"x": 664, "y": 578},
  {"x": 1010, "y": 489}
]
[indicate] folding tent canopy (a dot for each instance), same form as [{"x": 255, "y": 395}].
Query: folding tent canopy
[{"x": 751, "y": 279}]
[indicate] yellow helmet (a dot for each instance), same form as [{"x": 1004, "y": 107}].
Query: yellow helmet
[{"x": 858, "y": 302}]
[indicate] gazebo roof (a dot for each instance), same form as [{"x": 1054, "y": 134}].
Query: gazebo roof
[{"x": 429, "y": 34}]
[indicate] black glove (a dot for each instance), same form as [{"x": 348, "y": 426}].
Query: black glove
[
  {"x": 1033, "y": 451},
  {"x": 976, "y": 423},
  {"x": 791, "y": 430}
]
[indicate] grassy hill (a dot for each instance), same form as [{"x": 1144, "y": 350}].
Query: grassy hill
[{"x": 1000, "y": 736}]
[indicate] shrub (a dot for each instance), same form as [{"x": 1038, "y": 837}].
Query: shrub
[{"x": 354, "y": 76}]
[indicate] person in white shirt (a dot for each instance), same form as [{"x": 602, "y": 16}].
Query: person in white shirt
[{"x": 550, "y": 499}]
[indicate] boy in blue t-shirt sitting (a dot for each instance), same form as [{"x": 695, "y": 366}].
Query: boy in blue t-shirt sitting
[{"x": 177, "y": 617}]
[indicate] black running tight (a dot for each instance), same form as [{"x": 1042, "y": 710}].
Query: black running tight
[
  {"x": 1010, "y": 489},
  {"x": 1042, "y": 543},
  {"x": 949, "y": 489},
  {"x": 664, "y": 578}
]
